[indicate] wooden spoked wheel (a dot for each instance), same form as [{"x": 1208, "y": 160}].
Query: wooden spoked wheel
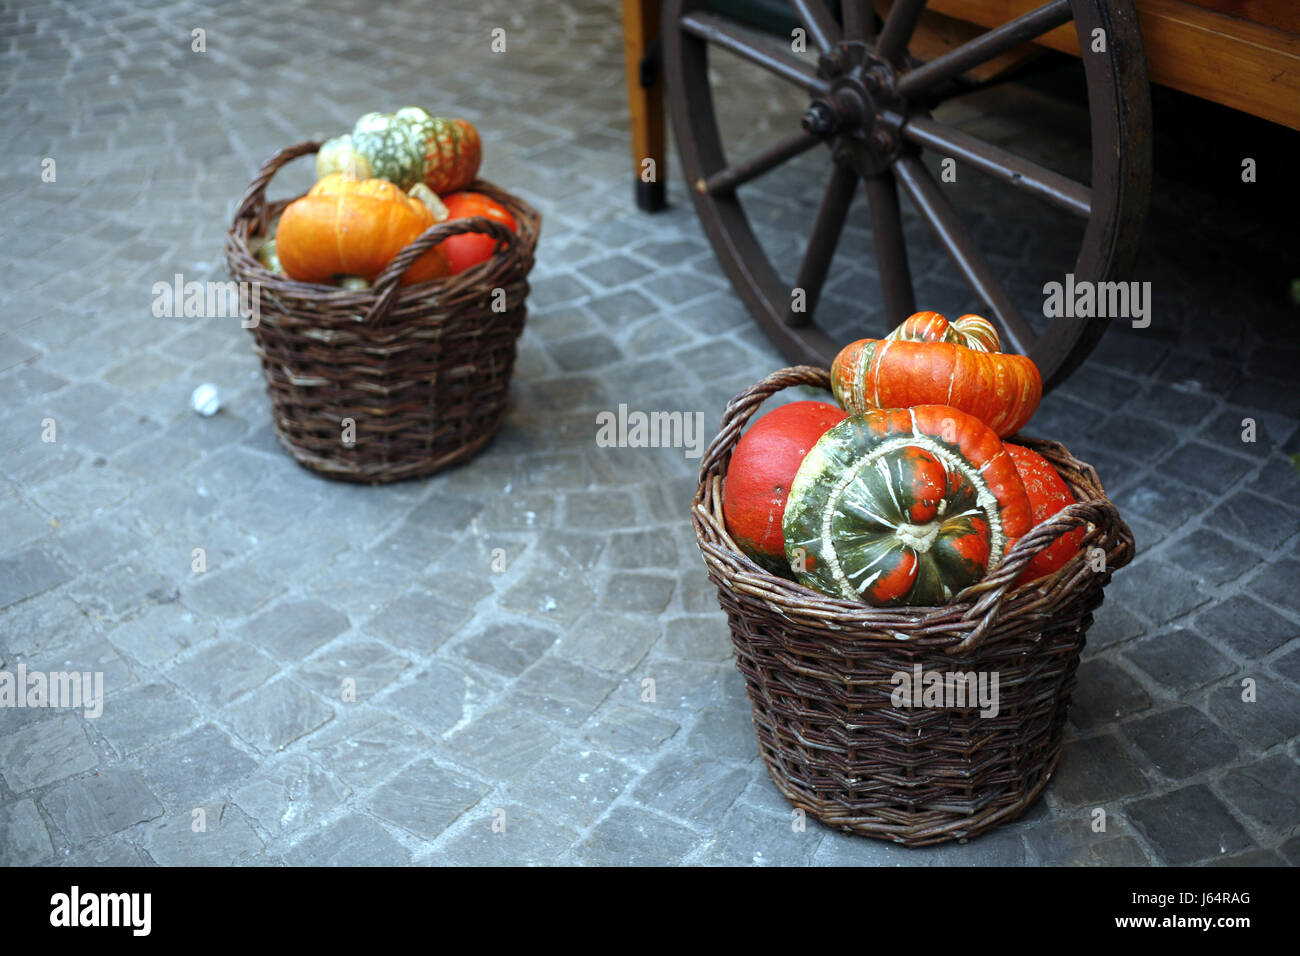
[{"x": 871, "y": 108}]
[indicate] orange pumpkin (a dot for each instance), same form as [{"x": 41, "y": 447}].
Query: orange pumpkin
[
  {"x": 1048, "y": 494},
  {"x": 930, "y": 361},
  {"x": 346, "y": 226}
]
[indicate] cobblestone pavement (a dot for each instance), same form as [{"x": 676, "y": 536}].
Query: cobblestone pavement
[{"x": 520, "y": 690}]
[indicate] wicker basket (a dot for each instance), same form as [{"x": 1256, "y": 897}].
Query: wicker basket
[
  {"x": 423, "y": 371},
  {"x": 818, "y": 670}
]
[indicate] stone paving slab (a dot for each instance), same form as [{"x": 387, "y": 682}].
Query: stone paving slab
[{"x": 520, "y": 661}]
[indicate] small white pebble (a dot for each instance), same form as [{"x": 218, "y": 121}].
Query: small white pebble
[{"x": 205, "y": 400}]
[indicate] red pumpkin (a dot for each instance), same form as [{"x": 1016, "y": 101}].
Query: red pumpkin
[
  {"x": 469, "y": 249},
  {"x": 762, "y": 467},
  {"x": 929, "y": 361},
  {"x": 1048, "y": 494}
]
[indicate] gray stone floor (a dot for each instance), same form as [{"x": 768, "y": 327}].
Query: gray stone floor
[{"x": 485, "y": 689}]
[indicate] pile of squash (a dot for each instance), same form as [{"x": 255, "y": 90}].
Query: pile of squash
[
  {"x": 907, "y": 493},
  {"x": 378, "y": 188}
]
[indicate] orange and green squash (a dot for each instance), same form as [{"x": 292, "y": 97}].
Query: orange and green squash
[{"x": 406, "y": 147}]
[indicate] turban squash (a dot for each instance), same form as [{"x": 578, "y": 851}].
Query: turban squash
[
  {"x": 903, "y": 506},
  {"x": 928, "y": 360},
  {"x": 346, "y": 226}
]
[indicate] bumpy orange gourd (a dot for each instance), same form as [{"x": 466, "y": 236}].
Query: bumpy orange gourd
[
  {"x": 346, "y": 226},
  {"x": 930, "y": 361},
  {"x": 1048, "y": 494}
]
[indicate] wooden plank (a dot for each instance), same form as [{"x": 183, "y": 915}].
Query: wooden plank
[
  {"x": 1281, "y": 15},
  {"x": 1249, "y": 67},
  {"x": 645, "y": 104},
  {"x": 937, "y": 34},
  {"x": 994, "y": 13}
]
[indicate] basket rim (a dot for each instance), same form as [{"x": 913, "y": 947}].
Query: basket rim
[
  {"x": 529, "y": 230},
  {"x": 973, "y": 614}
]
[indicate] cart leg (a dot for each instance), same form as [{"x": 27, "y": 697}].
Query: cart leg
[{"x": 645, "y": 101}]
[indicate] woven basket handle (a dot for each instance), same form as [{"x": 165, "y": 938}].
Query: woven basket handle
[
  {"x": 386, "y": 285},
  {"x": 741, "y": 408},
  {"x": 253, "y": 203},
  {"x": 990, "y": 591}
]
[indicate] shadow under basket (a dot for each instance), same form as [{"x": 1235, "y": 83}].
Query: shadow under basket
[
  {"x": 819, "y": 671},
  {"x": 390, "y": 382}
]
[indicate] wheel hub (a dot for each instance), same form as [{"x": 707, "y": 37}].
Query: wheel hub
[{"x": 862, "y": 115}]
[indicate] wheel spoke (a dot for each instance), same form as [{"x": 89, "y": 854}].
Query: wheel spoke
[
  {"x": 823, "y": 29},
  {"x": 997, "y": 162},
  {"x": 891, "y": 248},
  {"x": 748, "y": 44},
  {"x": 898, "y": 28},
  {"x": 737, "y": 174},
  {"x": 961, "y": 246},
  {"x": 985, "y": 47},
  {"x": 859, "y": 20},
  {"x": 821, "y": 245}
]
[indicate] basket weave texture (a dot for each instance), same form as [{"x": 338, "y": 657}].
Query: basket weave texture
[
  {"x": 818, "y": 670},
  {"x": 422, "y": 371}
]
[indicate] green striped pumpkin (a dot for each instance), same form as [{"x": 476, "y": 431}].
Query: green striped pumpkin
[{"x": 406, "y": 147}]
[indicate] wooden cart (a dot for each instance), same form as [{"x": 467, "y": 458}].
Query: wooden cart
[{"x": 877, "y": 72}]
